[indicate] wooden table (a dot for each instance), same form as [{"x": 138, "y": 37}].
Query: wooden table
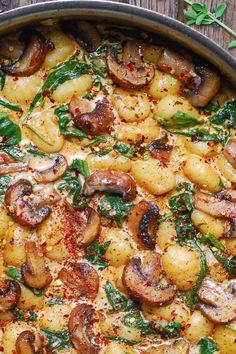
[{"x": 173, "y": 8}]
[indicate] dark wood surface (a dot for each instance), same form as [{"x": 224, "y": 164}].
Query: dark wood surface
[{"x": 173, "y": 8}]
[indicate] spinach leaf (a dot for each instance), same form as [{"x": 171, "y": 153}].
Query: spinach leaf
[
  {"x": 55, "y": 301},
  {"x": 102, "y": 152},
  {"x": 95, "y": 253},
  {"x": 57, "y": 339},
  {"x": 13, "y": 107},
  {"x": 180, "y": 120},
  {"x": 14, "y": 152},
  {"x": 4, "y": 182},
  {"x": 65, "y": 126},
  {"x": 2, "y": 79},
  {"x": 123, "y": 340},
  {"x": 207, "y": 346},
  {"x": 197, "y": 134},
  {"x": 135, "y": 320},
  {"x": 226, "y": 116},
  {"x": 114, "y": 207},
  {"x": 97, "y": 140},
  {"x": 15, "y": 273},
  {"x": 211, "y": 240},
  {"x": 229, "y": 264},
  {"x": 80, "y": 166},
  {"x": 68, "y": 70},
  {"x": 125, "y": 150},
  {"x": 117, "y": 300},
  {"x": 212, "y": 107},
  {"x": 21, "y": 315},
  {"x": 73, "y": 185},
  {"x": 31, "y": 149},
  {"x": 10, "y": 131}
]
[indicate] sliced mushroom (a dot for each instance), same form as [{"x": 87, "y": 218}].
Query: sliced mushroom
[
  {"x": 179, "y": 66},
  {"x": 143, "y": 223},
  {"x": 112, "y": 182},
  {"x": 218, "y": 300},
  {"x": 131, "y": 71},
  {"x": 82, "y": 227},
  {"x": 20, "y": 202},
  {"x": 10, "y": 296},
  {"x": 214, "y": 206},
  {"x": 230, "y": 195},
  {"x": 145, "y": 282},
  {"x": 229, "y": 152},
  {"x": 84, "y": 33},
  {"x": 10, "y": 48},
  {"x": 54, "y": 172},
  {"x": 96, "y": 122},
  {"x": 34, "y": 271},
  {"x": 32, "y": 57},
  {"x": 25, "y": 344},
  {"x": 80, "y": 328},
  {"x": 82, "y": 278},
  {"x": 159, "y": 149},
  {"x": 13, "y": 167},
  {"x": 208, "y": 88},
  {"x": 179, "y": 346}
]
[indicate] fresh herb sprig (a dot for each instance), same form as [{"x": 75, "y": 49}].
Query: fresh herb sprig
[
  {"x": 113, "y": 207},
  {"x": 117, "y": 300},
  {"x": 201, "y": 15},
  {"x": 57, "y": 339},
  {"x": 207, "y": 346},
  {"x": 95, "y": 253},
  {"x": 180, "y": 120}
]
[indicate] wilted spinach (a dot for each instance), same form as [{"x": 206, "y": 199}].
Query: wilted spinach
[
  {"x": 180, "y": 120},
  {"x": 95, "y": 253},
  {"x": 117, "y": 300},
  {"x": 226, "y": 116}
]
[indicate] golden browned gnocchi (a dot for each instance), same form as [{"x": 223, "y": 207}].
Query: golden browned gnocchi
[{"x": 117, "y": 196}]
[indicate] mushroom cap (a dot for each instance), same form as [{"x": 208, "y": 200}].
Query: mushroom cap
[
  {"x": 218, "y": 300},
  {"x": 112, "y": 182},
  {"x": 143, "y": 282},
  {"x": 25, "y": 344},
  {"x": 10, "y": 295},
  {"x": 54, "y": 172},
  {"x": 229, "y": 152}
]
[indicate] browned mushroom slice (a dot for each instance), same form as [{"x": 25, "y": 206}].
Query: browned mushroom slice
[
  {"x": 81, "y": 227},
  {"x": 54, "y": 172},
  {"x": 82, "y": 278},
  {"x": 34, "y": 272},
  {"x": 227, "y": 194},
  {"x": 160, "y": 149},
  {"x": 143, "y": 223},
  {"x": 229, "y": 152},
  {"x": 96, "y": 122},
  {"x": 25, "y": 344},
  {"x": 19, "y": 200},
  {"x": 145, "y": 282},
  {"x": 214, "y": 206},
  {"x": 131, "y": 71},
  {"x": 208, "y": 88},
  {"x": 84, "y": 33},
  {"x": 80, "y": 328},
  {"x": 179, "y": 66},
  {"x": 13, "y": 167},
  {"x": 112, "y": 182},
  {"x": 218, "y": 300},
  {"x": 32, "y": 57},
  {"x": 10, "y": 296},
  {"x": 10, "y": 49}
]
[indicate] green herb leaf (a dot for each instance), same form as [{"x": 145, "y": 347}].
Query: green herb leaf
[
  {"x": 180, "y": 120},
  {"x": 13, "y": 107},
  {"x": 34, "y": 151},
  {"x": 124, "y": 340},
  {"x": 10, "y": 132},
  {"x": 21, "y": 315},
  {"x": 80, "y": 166},
  {"x": 125, "y": 150},
  {"x": 219, "y": 11},
  {"x": 55, "y": 301},
  {"x": 2, "y": 79},
  {"x": 114, "y": 207},
  {"x": 57, "y": 339},
  {"x": 14, "y": 152},
  {"x": 97, "y": 140},
  {"x": 95, "y": 253},
  {"x": 226, "y": 116},
  {"x": 212, "y": 107},
  {"x": 61, "y": 73},
  {"x": 65, "y": 126},
  {"x": 232, "y": 44},
  {"x": 210, "y": 239},
  {"x": 207, "y": 346},
  {"x": 102, "y": 152},
  {"x": 73, "y": 185},
  {"x": 229, "y": 264},
  {"x": 14, "y": 273},
  {"x": 117, "y": 300},
  {"x": 4, "y": 182}
]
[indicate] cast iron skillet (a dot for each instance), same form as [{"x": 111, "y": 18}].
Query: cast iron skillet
[{"x": 123, "y": 14}]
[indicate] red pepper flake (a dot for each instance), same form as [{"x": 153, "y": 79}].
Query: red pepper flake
[
  {"x": 130, "y": 66},
  {"x": 46, "y": 92}
]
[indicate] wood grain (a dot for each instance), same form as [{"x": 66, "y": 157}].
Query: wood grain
[{"x": 172, "y": 8}]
